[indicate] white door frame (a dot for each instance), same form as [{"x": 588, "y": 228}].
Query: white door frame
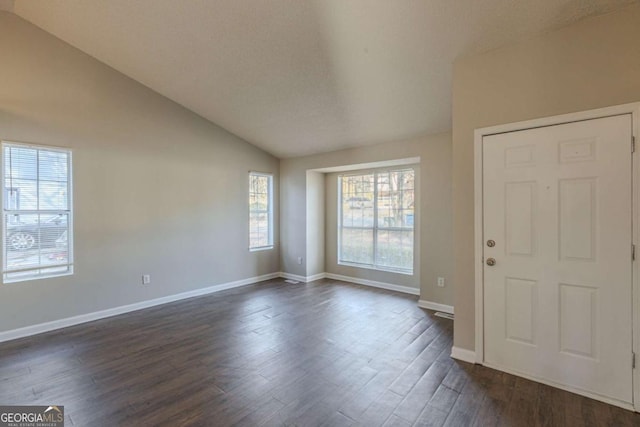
[{"x": 479, "y": 134}]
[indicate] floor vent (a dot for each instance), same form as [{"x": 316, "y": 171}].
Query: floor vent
[
  {"x": 293, "y": 282},
  {"x": 445, "y": 315}
]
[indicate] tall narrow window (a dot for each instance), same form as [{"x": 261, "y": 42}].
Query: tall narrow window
[
  {"x": 37, "y": 212},
  {"x": 260, "y": 211},
  {"x": 376, "y": 220}
]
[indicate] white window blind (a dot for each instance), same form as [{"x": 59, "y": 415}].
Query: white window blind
[
  {"x": 376, "y": 220},
  {"x": 37, "y": 212},
  {"x": 260, "y": 211}
]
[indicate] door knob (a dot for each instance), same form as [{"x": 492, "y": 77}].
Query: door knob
[{"x": 491, "y": 261}]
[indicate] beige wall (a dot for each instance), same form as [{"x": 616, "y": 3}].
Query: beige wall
[
  {"x": 315, "y": 223},
  {"x": 434, "y": 249},
  {"x": 157, "y": 189},
  {"x": 591, "y": 64}
]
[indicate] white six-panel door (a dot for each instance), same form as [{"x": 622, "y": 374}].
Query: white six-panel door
[{"x": 557, "y": 203}]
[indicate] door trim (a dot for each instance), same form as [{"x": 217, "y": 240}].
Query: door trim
[{"x": 479, "y": 134}]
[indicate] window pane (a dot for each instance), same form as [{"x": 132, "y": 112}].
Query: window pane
[
  {"x": 260, "y": 221},
  {"x": 396, "y": 199},
  {"x": 378, "y": 206},
  {"x": 259, "y": 230},
  {"x": 35, "y": 239},
  {"x": 357, "y": 214},
  {"x": 21, "y": 163},
  {"x": 22, "y": 250},
  {"x": 357, "y": 201},
  {"x": 394, "y": 249},
  {"x": 356, "y": 246},
  {"x": 53, "y": 180},
  {"x": 54, "y": 239},
  {"x": 21, "y": 176},
  {"x": 36, "y": 243}
]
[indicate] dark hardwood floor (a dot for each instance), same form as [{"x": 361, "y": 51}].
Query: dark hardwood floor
[{"x": 323, "y": 353}]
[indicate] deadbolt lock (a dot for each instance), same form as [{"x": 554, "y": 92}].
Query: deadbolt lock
[
  {"x": 491, "y": 243},
  {"x": 491, "y": 262}
]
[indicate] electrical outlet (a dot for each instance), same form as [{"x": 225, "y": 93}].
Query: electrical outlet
[
  {"x": 146, "y": 279},
  {"x": 441, "y": 282},
  {"x": 300, "y": 260}
]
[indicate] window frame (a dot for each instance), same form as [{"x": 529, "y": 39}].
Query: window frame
[
  {"x": 375, "y": 228},
  {"x": 38, "y": 275},
  {"x": 268, "y": 211}
]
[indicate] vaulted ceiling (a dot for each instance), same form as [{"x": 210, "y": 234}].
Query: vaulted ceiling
[{"x": 296, "y": 77}]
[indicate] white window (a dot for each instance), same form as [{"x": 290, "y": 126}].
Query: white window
[
  {"x": 376, "y": 217},
  {"x": 37, "y": 212},
  {"x": 260, "y": 211}
]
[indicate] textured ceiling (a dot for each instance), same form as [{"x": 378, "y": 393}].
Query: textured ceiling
[
  {"x": 6, "y": 5},
  {"x": 298, "y": 77}
]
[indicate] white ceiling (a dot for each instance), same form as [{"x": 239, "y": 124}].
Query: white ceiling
[{"x": 296, "y": 77}]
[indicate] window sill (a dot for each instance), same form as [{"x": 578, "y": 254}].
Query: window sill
[
  {"x": 34, "y": 278},
  {"x": 262, "y": 248},
  {"x": 376, "y": 268}
]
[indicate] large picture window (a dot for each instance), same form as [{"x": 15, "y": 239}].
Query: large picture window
[
  {"x": 37, "y": 212},
  {"x": 260, "y": 211},
  {"x": 376, "y": 220}
]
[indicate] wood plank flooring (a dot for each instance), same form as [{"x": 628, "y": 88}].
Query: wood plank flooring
[{"x": 325, "y": 353}]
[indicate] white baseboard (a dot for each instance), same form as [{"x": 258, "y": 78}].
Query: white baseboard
[
  {"x": 303, "y": 279},
  {"x": 389, "y": 286},
  {"x": 435, "y": 306},
  {"x": 463, "y": 354},
  {"x": 83, "y": 318},
  {"x": 316, "y": 277},
  {"x": 373, "y": 283},
  {"x": 293, "y": 277}
]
